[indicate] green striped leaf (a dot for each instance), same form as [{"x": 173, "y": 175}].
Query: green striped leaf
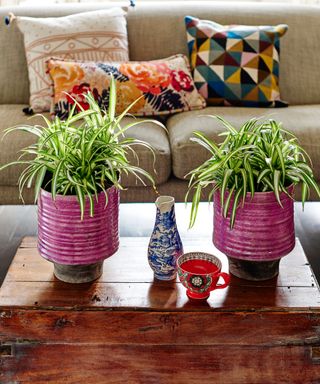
[
  {"x": 244, "y": 184},
  {"x": 263, "y": 174},
  {"x": 227, "y": 174},
  {"x": 39, "y": 182},
  {"x": 235, "y": 206},
  {"x": 276, "y": 185},
  {"x": 81, "y": 199},
  {"x": 227, "y": 124},
  {"x": 206, "y": 143},
  {"x": 112, "y": 98},
  {"x": 195, "y": 205},
  {"x": 227, "y": 202},
  {"x": 250, "y": 176},
  {"x": 282, "y": 163},
  {"x": 305, "y": 191},
  {"x": 56, "y": 175}
]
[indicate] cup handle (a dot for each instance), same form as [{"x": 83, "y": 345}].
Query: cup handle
[{"x": 226, "y": 278}]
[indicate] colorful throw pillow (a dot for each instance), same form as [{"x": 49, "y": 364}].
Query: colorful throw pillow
[
  {"x": 237, "y": 64},
  {"x": 98, "y": 36},
  {"x": 166, "y": 86}
]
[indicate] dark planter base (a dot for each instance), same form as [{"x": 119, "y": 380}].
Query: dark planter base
[
  {"x": 78, "y": 273},
  {"x": 254, "y": 270}
]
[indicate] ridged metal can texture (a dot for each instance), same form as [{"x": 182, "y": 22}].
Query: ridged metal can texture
[
  {"x": 263, "y": 230},
  {"x": 66, "y": 239}
]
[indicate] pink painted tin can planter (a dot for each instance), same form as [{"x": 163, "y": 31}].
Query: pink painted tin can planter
[
  {"x": 262, "y": 234},
  {"x": 78, "y": 247}
]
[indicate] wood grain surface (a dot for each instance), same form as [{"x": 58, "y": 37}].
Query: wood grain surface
[
  {"x": 128, "y": 328},
  {"x": 159, "y": 364},
  {"x": 128, "y": 282}
]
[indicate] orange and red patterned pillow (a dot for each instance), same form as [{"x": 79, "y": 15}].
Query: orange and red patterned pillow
[{"x": 166, "y": 86}]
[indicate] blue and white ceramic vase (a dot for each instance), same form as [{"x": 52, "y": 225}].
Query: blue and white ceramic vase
[{"x": 165, "y": 245}]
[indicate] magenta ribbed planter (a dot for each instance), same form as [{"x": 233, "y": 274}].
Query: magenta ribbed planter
[
  {"x": 263, "y": 230},
  {"x": 65, "y": 239}
]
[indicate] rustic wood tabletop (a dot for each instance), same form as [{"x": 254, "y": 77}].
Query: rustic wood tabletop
[{"x": 127, "y": 327}]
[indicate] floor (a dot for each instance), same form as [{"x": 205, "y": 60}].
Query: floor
[{"x": 138, "y": 219}]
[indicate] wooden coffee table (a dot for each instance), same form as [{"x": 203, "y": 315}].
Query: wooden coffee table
[{"x": 128, "y": 328}]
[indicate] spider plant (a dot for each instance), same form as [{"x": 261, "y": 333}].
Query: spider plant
[
  {"x": 259, "y": 157},
  {"x": 82, "y": 155}
]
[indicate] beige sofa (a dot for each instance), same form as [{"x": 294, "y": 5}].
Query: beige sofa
[{"x": 156, "y": 30}]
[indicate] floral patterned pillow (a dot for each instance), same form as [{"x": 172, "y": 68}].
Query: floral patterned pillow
[{"x": 166, "y": 85}]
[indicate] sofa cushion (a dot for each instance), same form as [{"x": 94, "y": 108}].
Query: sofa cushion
[
  {"x": 162, "y": 86},
  {"x": 165, "y": 36},
  {"x": 11, "y": 115},
  {"x": 235, "y": 64},
  {"x": 98, "y": 36},
  {"x": 303, "y": 121}
]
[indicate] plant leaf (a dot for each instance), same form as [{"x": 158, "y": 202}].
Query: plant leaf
[
  {"x": 227, "y": 174},
  {"x": 55, "y": 177},
  {"x": 276, "y": 185},
  {"x": 195, "y": 205},
  {"x": 39, "y": 182},
  {"x": 235, "y": 206},
  {"x": 227, "y": 202},
  {"x": 112, "y": 98}
]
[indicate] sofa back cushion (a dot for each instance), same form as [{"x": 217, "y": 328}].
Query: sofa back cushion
[{"x": 157, "y": 30}]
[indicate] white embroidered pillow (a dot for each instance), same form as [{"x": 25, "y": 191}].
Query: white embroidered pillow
[{"x": 94, "y": 36}]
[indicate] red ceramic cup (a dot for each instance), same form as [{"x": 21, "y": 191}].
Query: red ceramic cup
[{"x": 199, "y": 272}]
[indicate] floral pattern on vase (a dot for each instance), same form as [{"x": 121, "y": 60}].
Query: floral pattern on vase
[{"x": 165, "y": 245}]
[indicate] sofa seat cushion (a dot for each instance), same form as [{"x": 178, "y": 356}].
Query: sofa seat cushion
[
  {"x": 303, "y": 121},
  {"x": 11, "y": 115}
]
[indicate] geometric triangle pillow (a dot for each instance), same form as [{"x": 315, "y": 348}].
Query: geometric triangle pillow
[{"x": 237, "y": 64}]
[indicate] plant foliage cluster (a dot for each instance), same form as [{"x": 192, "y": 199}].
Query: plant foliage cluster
[
  {"x": 259, "y": 157},
  {"x": 83, "y": 155}
]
